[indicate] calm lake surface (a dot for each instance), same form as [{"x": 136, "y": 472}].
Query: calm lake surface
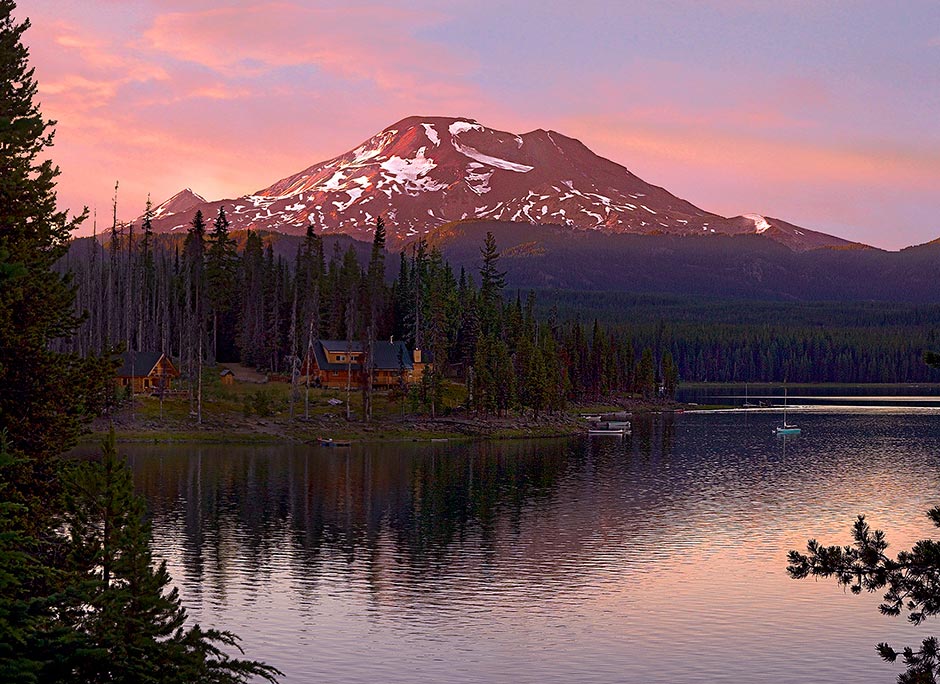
[{"x": 656, "y": 558}]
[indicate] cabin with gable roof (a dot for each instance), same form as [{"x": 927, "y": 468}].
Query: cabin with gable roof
[
  {"x": 332, "y": 362},
  {"x": 146, "y": 372}
]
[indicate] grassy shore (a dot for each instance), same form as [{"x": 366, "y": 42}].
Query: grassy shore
[{"x": 255, "y": 413}]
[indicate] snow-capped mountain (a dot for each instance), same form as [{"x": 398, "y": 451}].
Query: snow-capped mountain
[
  {"x": 424, "y": 172},
  {"x": 182, "y": 201}
]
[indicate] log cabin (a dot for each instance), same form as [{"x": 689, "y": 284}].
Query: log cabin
[
  {"x": 146, "y": 372},
  {"x": 333, "y": 361}
]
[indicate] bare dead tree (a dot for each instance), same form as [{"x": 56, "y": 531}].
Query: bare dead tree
[
  {"x": 294, "y": 370},
  {"x": 350, "y": 317}
]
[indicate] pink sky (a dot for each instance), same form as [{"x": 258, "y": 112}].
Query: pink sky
[{"x": 822, "y": 114}]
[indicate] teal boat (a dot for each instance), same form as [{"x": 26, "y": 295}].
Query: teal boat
[{"x": 786, "y": 428}]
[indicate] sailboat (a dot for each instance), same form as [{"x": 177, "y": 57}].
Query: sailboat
[
  {"x": 786, "y": 428},
  {"x": 747, "y": 404}
]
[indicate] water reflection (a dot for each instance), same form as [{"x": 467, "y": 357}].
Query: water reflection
[{"x": 553, "y": 560}]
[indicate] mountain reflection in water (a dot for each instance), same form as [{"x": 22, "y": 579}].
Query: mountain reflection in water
[{"x": 655, "y": 558}]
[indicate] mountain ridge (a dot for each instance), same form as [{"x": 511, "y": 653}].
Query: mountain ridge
[
  {"x": 424, "y": 172},
  {"x": 743, "y": 266}
]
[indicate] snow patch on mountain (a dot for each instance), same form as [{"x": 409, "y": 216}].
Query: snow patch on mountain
[
  {"x": 478, "y": 182},
  {"x": 411, "y": 174},
  {"x": 354, "y": 194},
  {"x": 335, "y": 182},
  {"x": 459, "y": 127},
  {"x": 760, "y": 223},
  {"x": 431, "y": 132},
  {"x": 491, "y": 161}
]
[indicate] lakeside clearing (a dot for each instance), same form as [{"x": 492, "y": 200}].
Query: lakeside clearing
[{"x": 258, "y": 412}]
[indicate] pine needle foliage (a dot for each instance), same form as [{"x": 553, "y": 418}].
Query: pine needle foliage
[
  {"x": 910, "y": 584},
  {"x": 130, "y": 617}
]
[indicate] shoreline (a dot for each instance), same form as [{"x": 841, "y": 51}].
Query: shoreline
[{"x": 134, "y": 423}]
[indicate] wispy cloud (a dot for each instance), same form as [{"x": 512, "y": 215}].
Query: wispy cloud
[
  {"x": 227, "y": 97},
  {"x": 375, "y": 43}
]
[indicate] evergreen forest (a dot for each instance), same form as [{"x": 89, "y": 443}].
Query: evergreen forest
[
  {"x": 264, "y": 299},
  {"x": 203, "y": 299}
]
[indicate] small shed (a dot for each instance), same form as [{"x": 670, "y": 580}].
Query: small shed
[
  {"x": 227, "y": 376},
  {"x": 146, "y": 372}
]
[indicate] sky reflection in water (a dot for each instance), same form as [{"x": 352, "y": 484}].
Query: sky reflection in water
[{"x": 658, "y": 558}]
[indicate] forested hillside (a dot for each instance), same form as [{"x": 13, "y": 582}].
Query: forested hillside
[
  {"x": 203, "y": 299},
  {"x": 736, "y": 341},
  {"x": 263, "y": 299},
  {"x": 707, "y": 265}
]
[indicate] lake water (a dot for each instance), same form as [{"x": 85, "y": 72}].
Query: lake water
[
  {"x": 655, "y": 558},
  {"x": 822, "y": 396}
]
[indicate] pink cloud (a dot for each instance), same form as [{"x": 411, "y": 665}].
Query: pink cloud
[
  {"x": 845, "y": 189},
  {"x": 373, "y": 43},
  {"x": 229, "y": 99},
  {"x": 746, "y": 154},
  {"x": 193, "y": 103},
  {"x": 85, "y": 52},
  {"x": 79, "y": 73}
]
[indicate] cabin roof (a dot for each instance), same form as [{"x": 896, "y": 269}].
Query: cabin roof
[
  {"x": 386, "y": 354},
  {"x": 340, "y": 346},
  {"x": 138, "y": 364}
]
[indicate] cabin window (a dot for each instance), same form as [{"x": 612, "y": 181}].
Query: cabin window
[
  {"x": 146, "y": 382},
  {"x": 340, "y": 358}
]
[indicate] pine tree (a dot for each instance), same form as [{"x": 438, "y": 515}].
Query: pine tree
[
  {"x": 483, "y": 383},
  {"x": 48, "y": 628},
  {"x": 146, "y": 298},
  {"x": 310, "y": 282},
  {"x": 439, "y": 289},
  {"x": 221, "y": 280},
  {"x": 29, "y": 639},
  {"x": 194, "y": 265},
  {"x": 670, "y": 374},
  {"x": 375, "y": 283},
  {"x": 402, "y": 301},
  {"x": 492, "y": 282},
  {"x": 45, "y": 396},
  {"x": 133, "y": 629},
  {"x": 557, "y": 384},
  {"x": 504, "y": 379},
  {"x": 598, "y": 378},
  {"x": 495, "y": 377},
  {"x": 251, "y": 319},
  {"x": 646, "y": 374}
]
